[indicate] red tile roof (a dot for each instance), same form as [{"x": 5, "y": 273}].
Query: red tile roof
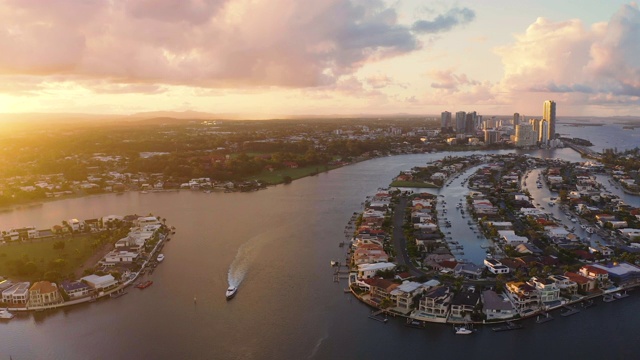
[
  {"x": 579, "y": 279},
  {"x": 595, "y": 270}
]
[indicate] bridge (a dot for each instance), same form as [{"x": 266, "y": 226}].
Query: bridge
[{"x": 583, "y": 150}]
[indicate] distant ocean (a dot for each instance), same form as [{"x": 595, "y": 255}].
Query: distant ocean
[{"x": 606, "y": 136}]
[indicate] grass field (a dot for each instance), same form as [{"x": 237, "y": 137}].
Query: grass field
[
  {"x": 410, "y": 184},
  {"x": 77, "y": 249},
  {"x": 277, "y": 176}
]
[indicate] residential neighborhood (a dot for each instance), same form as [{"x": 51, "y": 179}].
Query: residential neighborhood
[
  {"x": 537, "y": 261},
  {"x": 130, "y": 258}
]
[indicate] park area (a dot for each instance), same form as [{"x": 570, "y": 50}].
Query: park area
[{"x": 55, "y": 258}]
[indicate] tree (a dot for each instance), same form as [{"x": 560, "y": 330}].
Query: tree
[{"x": 59, "y": 245}]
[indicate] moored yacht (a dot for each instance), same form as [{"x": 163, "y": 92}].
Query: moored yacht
[
  {"x": 160, "y": 257},
  {"x": 463, "y": 330},
  {"x": 5, "y": 314},
  {"x": 231, "y": 292}
]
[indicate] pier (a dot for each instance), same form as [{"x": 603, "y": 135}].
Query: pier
[
  {"x": 569, "y": 311},
  {"x": 507, "y": 327},
  {"x": 374, "y": 316}
]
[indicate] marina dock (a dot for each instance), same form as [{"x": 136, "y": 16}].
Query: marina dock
[
  {"x": 510, "y": 325},
  {"x": 374, "y": 316},
  {"x": 569, "y": 311}
]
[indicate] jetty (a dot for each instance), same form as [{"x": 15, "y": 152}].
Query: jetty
[
  {"x": 545, "y": 318},
  {"x": 374, "y": 316},
  {"x": 510, "y": 325},
  {"x": 569, "y": 311}
]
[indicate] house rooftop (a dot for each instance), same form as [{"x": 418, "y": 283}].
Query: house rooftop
[
  {"x": 492, "y": 301},
  {"x": 465, "y": 298}
]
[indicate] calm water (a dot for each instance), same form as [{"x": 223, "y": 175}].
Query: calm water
[
  {"x": 278, "y": 242},
  {"x": 607, "y": 136}
]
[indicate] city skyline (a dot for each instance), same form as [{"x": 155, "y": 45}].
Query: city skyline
[{"x": 333, "y": 57}]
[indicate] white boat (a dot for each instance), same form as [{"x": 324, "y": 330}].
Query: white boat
[
  {"x": 463, "y": 330},
  {"x": 5, "y": 314},
  {"x": 160, "y": 257},
  {"x": 231, "y": 292},
  {"x": 620, "y": 295},
  {"x": 334, "y": 263}
]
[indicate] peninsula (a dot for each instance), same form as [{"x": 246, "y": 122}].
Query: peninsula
[{"x": 529, "y": 236}]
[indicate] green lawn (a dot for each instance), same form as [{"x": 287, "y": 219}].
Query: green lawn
[
  {"x": 277, "y": 176},
  {"x": 411, "y": 184},
  {"x": 76, "y": 251}
]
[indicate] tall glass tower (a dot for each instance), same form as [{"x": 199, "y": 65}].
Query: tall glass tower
[{"x": 549, "y": 114}]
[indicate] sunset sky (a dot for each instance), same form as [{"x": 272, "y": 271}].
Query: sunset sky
[{"x": 268, "y": 58}]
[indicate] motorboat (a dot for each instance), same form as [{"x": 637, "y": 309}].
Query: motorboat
[
  {"x": 144, "y": 285},
  {"x": 463, "y": 330},
  {"x": 5, "y": 314},
  {"x": 160, "y": 257},
  {"x": 334, "y": 263},
  {"x": 231, "y": 292}
]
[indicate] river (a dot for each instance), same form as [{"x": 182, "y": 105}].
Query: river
[{"x": 278, "y": 244}]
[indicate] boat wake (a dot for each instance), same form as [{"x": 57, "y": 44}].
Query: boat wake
[
  {"x": 317, "y": 347},
  {"x": 247, "y": 253}
]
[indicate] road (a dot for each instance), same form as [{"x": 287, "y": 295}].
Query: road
[{"x": 399, "y": 241}]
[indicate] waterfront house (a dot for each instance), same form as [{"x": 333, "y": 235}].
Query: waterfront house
[
  {"x": 369, "y": 254},
  {"x": 367, "y": 271},
  {"x": 379, "y": 290},
  {"x": 464, "y": 304},
  {"x": 119, "y": 256},
  {"x": 585, "y": 284},
  {"x": 404, "y": 294},
  {"x": 567, "y": 286},
  {"x": 622, "y": 274},
  {"x": 146, "y": 220},
  {"x": 44, "y": 293},
  {"x": 601, "y": 276},
  {"x": 496, "y": 307},
  {"x": 100, "y": 283},
  {"x": 16, "y": 294},
  {"x": 434, "y": 305},
  {"x": 524, "y": 297},
  {"x": 75, "y": 225},
  {"x": 548, "y": 292},
  {"x": 75, "y": 289},
  {"x": 495, "y": 267}
]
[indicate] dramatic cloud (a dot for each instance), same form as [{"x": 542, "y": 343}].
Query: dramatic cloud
[
  {"x": 445, "y": 21},
  {"x": 567, "y": 57},
  {"x": 206, "y": 43}
]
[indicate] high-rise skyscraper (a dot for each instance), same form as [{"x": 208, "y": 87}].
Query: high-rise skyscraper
[
  {"x": 544, "y": 132},
  {"x": 469, "y": 123},
  {"x": 445, "y": 121},
  {"x": 460, "y": 121},
  {"x": 549, "y": 114},
  {"x": 525, "y": 135},
  {"x": 516, "y": 119}
]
